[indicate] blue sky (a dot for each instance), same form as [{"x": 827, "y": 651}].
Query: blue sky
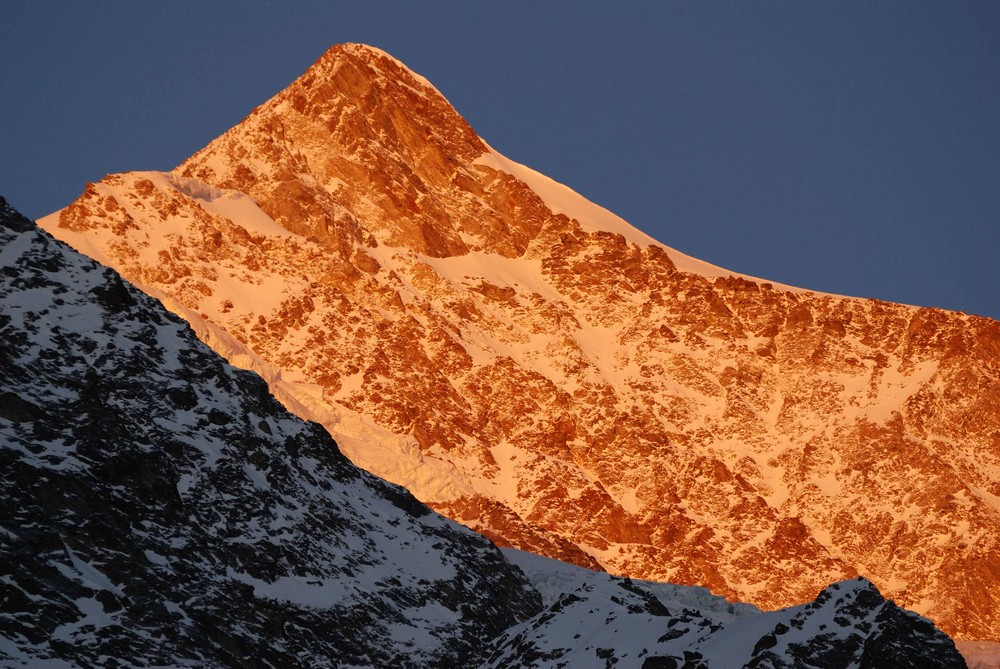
[{"x": 848, "y": 147}]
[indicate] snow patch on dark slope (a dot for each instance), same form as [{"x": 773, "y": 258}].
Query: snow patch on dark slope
[{"x": 159, "y": 508}]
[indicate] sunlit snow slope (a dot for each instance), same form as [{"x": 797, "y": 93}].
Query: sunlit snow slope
[{"x": 531, "y": 365}]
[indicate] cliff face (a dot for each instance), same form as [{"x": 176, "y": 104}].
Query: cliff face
[{"x": 534, "y": 367}]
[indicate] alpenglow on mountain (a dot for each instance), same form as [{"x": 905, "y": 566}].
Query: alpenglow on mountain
[
  {"x": 532, "y": 366},
  {"x": 159, "y": 508}
]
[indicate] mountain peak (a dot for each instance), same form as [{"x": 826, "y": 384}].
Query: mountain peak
[
  {"x": 360, "y": 150},
  {"x": 535, "y": 367},
  {"x": 360, "y": 72},
  {"x": 380, "y": 61}
]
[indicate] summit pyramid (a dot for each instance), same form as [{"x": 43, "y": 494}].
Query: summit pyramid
[{"x": 534, "y": 367}]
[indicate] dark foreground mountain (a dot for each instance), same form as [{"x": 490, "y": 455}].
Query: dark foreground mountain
[{"x": 159, "y": 508}]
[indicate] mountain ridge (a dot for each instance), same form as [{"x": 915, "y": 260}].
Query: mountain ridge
[{"x": 683, "y": 423}]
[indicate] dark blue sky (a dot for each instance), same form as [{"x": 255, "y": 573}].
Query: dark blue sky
[{"x": 844, "y": 147}]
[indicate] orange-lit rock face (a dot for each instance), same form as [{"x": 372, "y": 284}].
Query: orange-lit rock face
[
  {"x": 357, "y": 150},
  {"x": 576, "y": 392}
]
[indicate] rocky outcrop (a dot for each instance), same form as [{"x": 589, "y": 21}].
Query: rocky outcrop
[{"x": 543, "y": 372}]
